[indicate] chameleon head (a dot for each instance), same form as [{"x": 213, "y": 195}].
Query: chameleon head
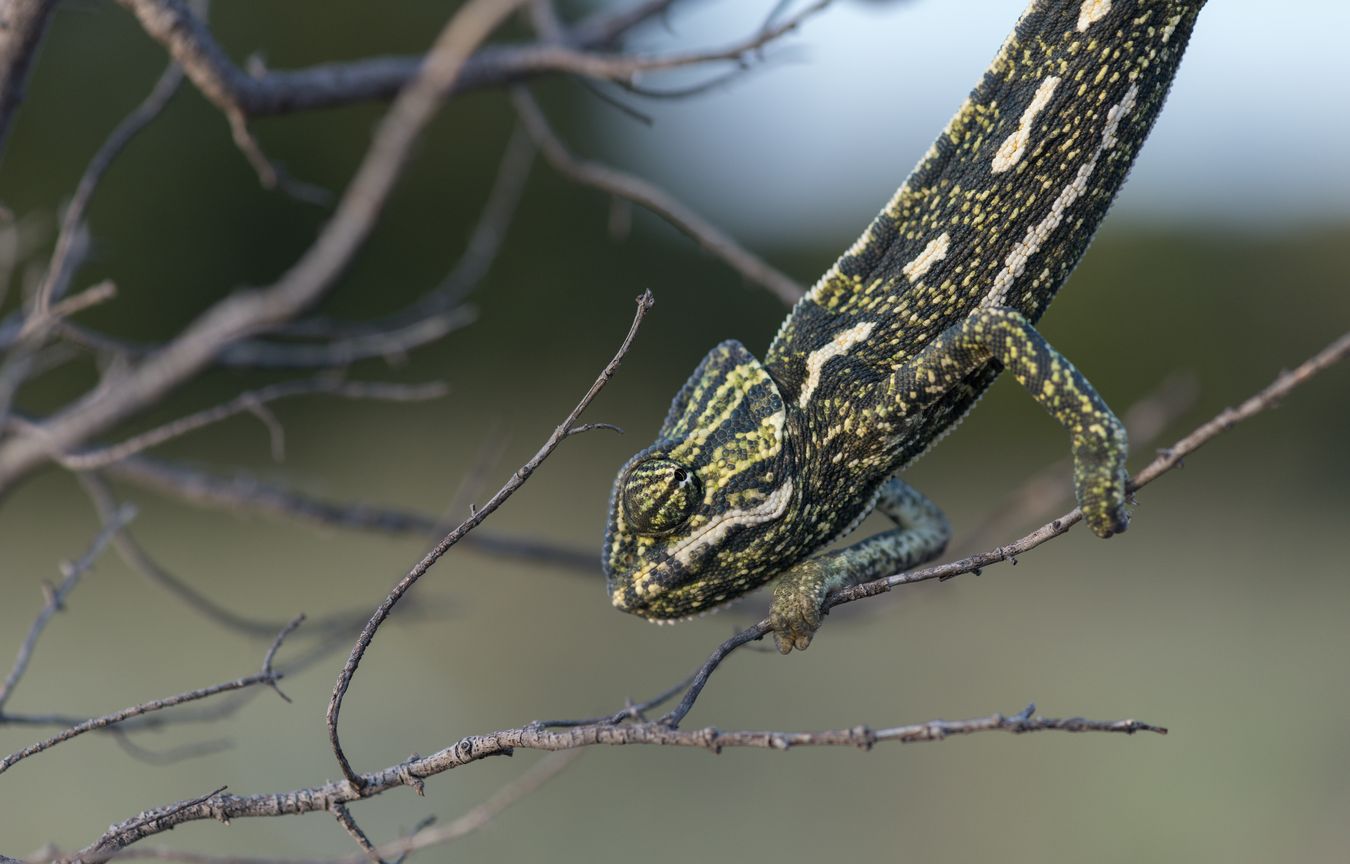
[{"x": 699, "y": 517}]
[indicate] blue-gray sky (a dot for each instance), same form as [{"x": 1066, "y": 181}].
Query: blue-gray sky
[{"x": 1257, "y": 130}]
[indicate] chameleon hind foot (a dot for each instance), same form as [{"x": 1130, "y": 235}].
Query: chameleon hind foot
[
  {"x": 798, "y": 601},
  {"x": 920, "y": 535}
]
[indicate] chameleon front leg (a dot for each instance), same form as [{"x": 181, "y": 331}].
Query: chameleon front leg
[
  {"x": 921, "y": 535},
  {"x": 1005, "y": 335}
]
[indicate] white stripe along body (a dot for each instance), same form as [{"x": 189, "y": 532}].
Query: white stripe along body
[{"x": 895, "y": 343}]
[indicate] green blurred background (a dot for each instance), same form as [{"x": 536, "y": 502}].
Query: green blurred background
[{"x": 1221, "y": 614}]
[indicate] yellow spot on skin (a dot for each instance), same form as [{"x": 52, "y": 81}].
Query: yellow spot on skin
[
  {"x": 934, "y": 252},
  {"x": 1170, "y": 28},
  {"x": 1014, "y": 146},
  {"x": 1091, "y": 12}
]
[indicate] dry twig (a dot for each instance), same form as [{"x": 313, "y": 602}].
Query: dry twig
[
  {"x": 56, "y": 597},
  {"x": 267, "y": 676},
  {"x": 648, "y": 195},
  {"x": 247, "y": 313},
  {"x": 563, "y": 430}
]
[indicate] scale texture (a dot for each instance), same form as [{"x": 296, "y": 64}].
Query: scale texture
[{"x": 758, "y": 466}]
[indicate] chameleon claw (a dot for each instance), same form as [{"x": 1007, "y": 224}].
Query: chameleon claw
[{"x": 796, "y": 612}]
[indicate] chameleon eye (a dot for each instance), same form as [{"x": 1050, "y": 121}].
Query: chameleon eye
[{"x": 659, "y": 496}]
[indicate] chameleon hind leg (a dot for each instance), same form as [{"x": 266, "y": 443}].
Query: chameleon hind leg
[
  {"x": 921, "y": 535},
  {"x": 1005, "y": 335}
]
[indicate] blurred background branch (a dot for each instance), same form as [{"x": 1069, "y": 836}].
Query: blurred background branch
[{"x": 126, "y": 322}]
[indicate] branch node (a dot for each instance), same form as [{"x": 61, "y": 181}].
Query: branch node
[
  {"x": 407, "y": 778},
  {"x": 863, "y": 737}
]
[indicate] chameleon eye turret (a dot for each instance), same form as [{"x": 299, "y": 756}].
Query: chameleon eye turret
[
  {"x": 896, "y": 342},
  {"x": 659, "y": 496}
]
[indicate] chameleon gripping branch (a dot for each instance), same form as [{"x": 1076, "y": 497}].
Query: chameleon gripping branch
[{"x": 761, "y": 464}]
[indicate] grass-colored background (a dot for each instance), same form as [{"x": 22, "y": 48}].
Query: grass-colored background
[{"x": 1221, "y": 614}]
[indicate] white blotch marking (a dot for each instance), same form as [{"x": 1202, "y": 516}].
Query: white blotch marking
[
  {"x": 690, "y": 550},
  {"x": 1017, "y": 259},
  {"x": 1012, "y": 149},
  {"x": 934, "y": 252},
  {"x": 839, "y": 345},
  {"x": 1091, "y": 12}
]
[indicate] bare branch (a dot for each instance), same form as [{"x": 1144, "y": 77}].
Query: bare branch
[
  {"x": 653, "y": 198},
  {"x": 644, "y": 304},
  {"x": 249, "y": 401},
  {"x": 1168, "y": 460},
  {"x": 239, "y": 94},
  {"x": 267, "y": 676},
  {"x": 63, "y": 264},
  {"x": 247, "y": 313},
  {"x": 476, "y": 747},
  {"x": 25, "y": 21},
  {"x": 612, "y": 730},
  {"x": 243, "y": 491},
  {"x": 1048, "y": 489},
  {"x": 439, "y": 312},
  {"x": 56, "y": 597},
  {"x": 344, "y": 818}
]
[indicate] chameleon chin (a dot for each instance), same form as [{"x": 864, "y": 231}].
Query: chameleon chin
[{"x": 759, "y": 465}]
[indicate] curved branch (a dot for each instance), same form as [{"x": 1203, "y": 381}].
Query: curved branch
[
  {"x": 21, "y": 30},
  {"x": 267, "y": 676},
  {"x": 247, "y": 313},
  {"x": 563, "y": 430},
  {"x": 240, "y": 95},
  {"x": 652, "y": 197}
]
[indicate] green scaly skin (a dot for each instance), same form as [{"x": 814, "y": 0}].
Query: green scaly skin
[{"x": 760, "y": 465}]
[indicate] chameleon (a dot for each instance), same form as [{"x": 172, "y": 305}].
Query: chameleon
[{"x": 760, "y": 465}]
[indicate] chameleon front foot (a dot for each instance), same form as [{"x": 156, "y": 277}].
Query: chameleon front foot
[
  {"x": 1100, "y": 478},
  {"x": 798, "y": 605}
]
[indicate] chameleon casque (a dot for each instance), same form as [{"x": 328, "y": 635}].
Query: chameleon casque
[{"x": 759, "y": 465}]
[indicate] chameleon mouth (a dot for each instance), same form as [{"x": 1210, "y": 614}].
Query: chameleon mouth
[{"x": 648, "y": 583}]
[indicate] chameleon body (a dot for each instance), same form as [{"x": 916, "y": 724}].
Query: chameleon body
[{"x": 759, "y": 465}]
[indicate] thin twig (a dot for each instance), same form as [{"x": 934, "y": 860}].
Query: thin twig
[
  {"x": 138, "y": 559},
  {"x": 63, "y": 263},
  {"x": 247, "y": 313},
  {"x": 250, "y": 401},
  {"x": 268, "y": 92},
  {"x": 648, "y": 195},
  {"x": 1041, "y": 493},
  {"x": 56, "y": 596},
  {"x": 481, "y": 250},
  {"x": 243, "y": 491},
  {"x": 344, "y": 818},
  {"x": 267, "y": 676},
  {"x": 644, "y": 304},
  {"x": 1168, "y": 460},
  {"x": 474, "y": 748}
]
